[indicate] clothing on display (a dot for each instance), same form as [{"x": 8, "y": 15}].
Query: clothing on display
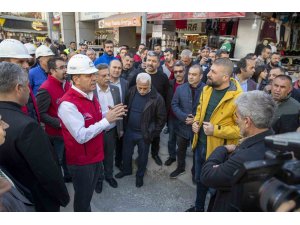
[{"x": 268, "y": 31}]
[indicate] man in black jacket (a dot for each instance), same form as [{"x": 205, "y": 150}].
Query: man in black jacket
[
  {"x": 160, "y": 82},
  {"x": 145, "y": 120},
  {"x": 26, "y": 153},
  {"x": 255, "y": 111}
]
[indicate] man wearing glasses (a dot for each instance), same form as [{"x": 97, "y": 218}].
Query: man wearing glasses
[{"x": 48, "y": 97}]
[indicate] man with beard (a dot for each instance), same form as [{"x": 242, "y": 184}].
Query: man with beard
[
  {"x": 274, "y": 62},
  {"x": 48, "y": 97},
  {"x": 214, "y": 123},
  {"x": 160, "y": 82},
  {"x": 108, "y": 54},
  {"x": 128, "y": 70},
  {"x": 245, "y": 70},
  {"x": 169, "y": 62}
]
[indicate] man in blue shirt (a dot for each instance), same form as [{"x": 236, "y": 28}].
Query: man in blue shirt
[
  {"x": 108, "y": 54},
  {"x": 39, "y": 73}
]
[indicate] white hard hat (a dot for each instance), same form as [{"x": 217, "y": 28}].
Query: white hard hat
[
  {"x": 11, "y": 48},
  {"x": 43, "y": 50},
  {"x": 81, "y": 64},
  {"x": 30, "y": 48}
]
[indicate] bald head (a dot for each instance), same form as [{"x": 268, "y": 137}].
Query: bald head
[{"x": 115, "y": 69}]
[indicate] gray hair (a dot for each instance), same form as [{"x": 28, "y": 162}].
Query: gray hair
[
  {"x": 91, "y": 50},
  {"x": 186, "y": 52},
  {"x": 11, "y": 75},
  {"x": 102, "y": 66},
  {"x": 226, "y": 63},
  {"x": 257, "y": 105},
  {"x": 143, "y": 77},
  {"x": 197, "y": 66}
]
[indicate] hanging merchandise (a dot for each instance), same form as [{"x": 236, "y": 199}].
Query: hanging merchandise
[
  {"x": 269, "y": 31},
  {"x": 229, "y": 27}
]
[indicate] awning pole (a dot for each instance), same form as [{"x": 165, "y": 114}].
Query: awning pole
[{"x": 144, "y": 28}]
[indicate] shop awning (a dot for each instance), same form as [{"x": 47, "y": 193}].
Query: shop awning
[
  {"x": 24, "y": 31},
  {"x": 192, "y": 15},
  {"x": 122, "y": 20}
]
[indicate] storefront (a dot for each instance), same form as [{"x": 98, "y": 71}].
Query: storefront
[
  {"x": 195, "y": 29},
  {"x": 24, "y": 29}
]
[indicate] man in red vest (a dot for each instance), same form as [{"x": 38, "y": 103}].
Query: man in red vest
[
  {"x": 82, "y": 129},
  {"x": 48, "y": 96}
]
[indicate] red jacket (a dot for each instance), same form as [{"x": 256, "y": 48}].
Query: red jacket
[
  {"x": 56, "y": 90},
  {"x": 93, "y": 150}
]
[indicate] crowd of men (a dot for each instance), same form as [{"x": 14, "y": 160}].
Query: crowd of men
[{"x": 68, "y": 116}]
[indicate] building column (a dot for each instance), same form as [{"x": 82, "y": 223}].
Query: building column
[{"x": 68, "y": 27}]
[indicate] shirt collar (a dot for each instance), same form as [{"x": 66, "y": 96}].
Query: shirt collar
[
  {"x": 99, "y": 90},
  {"x": 118, "y": 82},
  {"x": 88, "y": 96}
]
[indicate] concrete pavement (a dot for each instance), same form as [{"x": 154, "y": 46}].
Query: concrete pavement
[{"x": 159, "y": 193}]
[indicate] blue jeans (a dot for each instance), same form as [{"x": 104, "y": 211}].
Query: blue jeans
[
  {"x": 172, "y": 137},
  {"x": 131, "y": 139},
  {"x": 200, "y": 153}
]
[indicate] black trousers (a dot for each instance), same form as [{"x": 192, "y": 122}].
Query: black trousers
[
  {"x": 155, "y": 146},
  {"x": 84, "y": 182},
  {"x": 182, "y": 144},
  {"x": 119, "y": 150}
]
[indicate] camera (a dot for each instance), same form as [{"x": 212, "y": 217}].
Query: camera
[{"x": 265, "y": 185}]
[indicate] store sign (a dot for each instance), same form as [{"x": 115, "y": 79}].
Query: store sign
[
  {"x": 37, "y": 25},
  {"x": 94, "y": 15},
  {"x": 192, "y": 15},
  {"x": 135, "y": 21},
  {"x": 193, "y": 28},
  {"x": 56, "y": 18}
]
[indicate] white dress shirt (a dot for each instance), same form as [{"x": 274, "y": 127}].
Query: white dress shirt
[
  {"x": 74, "y": 121},
  {"x": 105, "y": 99}
]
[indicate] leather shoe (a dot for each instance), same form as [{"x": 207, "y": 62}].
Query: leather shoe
[
  {"x": 170, "y": 161},
  {"x": 99, "y": 186},
  {"x": 121, "y": 175},
  {"x": 139, "y": 182},
  {"x": 157, "y": 160},
  {"x": 112, "y": 182}
]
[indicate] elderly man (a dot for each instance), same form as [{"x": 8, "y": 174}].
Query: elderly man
[
  {"x": 27, "y": 153},
  {"x": 82, "y": 128},
  {"x": 214, "y": 123},
  {"x": 160, "y": 82},
  {"x": 286, "y": 117},
  {"x": 91, "y": 54},
  {"x": 186, "y": 58},
  {"x": 145, "y": 120},
  {"x": 255, "y": 111},
  {"x": 38, "y": 75}
]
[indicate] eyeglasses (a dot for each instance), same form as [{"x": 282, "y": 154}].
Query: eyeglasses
[
  {"x": 61, "y": 67},
  {"x": 178, "y": 71}
]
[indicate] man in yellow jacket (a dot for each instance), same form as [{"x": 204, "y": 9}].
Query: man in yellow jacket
[{"x": 215, "y": 120}]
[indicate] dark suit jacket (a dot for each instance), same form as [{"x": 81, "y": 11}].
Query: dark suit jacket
[
  {"x": 124, "y": 87},
  {"x": 115, "y": 92},
  {"x": 27, "y": 155},
  {"x": 251, "y": 85},
  {"x": 221, "y": 177}
]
